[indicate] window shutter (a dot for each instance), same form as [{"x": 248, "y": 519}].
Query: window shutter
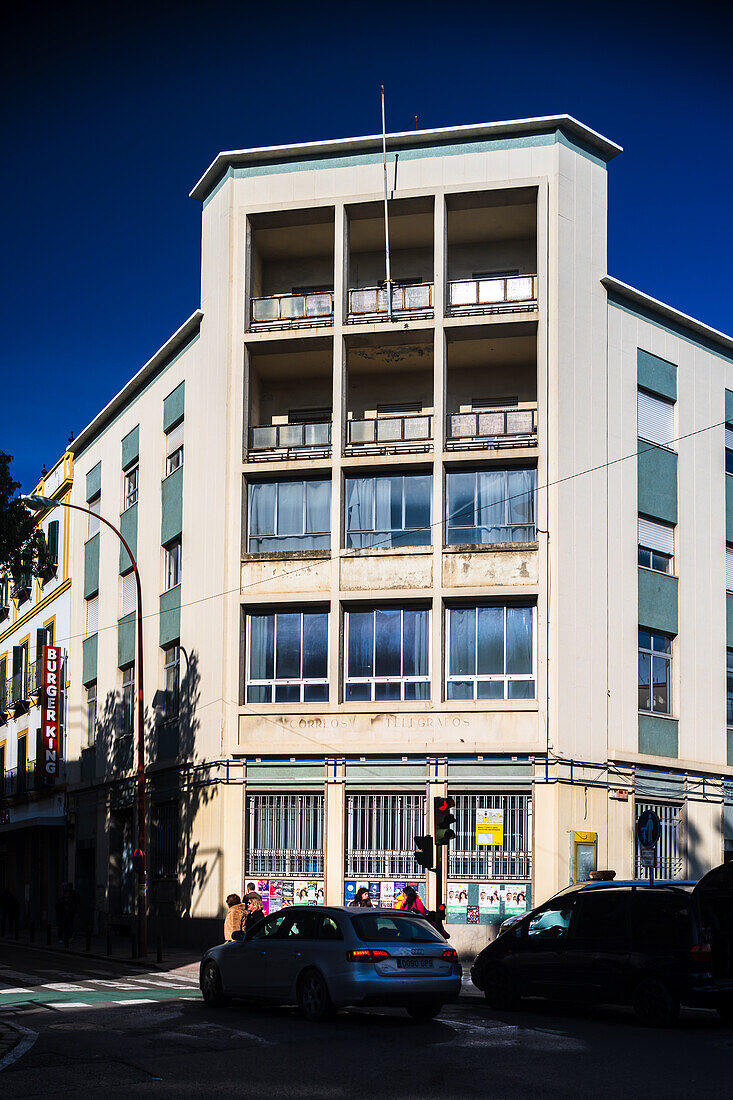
[
  {"x": 729, "y": 439},
  {"x": 41, "y": 640},
  {"x": 92, "y": 615},
  {"x": 174, "y": 439},
  {"x": 656, "y": 536},
  {"x": 655, "y": 419},
  {"x": 52, "y": 541},
  {"x": 729, "y": 568},
  {"x": 129, "y": 593}
]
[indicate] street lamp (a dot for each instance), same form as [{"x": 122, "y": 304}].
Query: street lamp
[{"x": 38, "y": 503}]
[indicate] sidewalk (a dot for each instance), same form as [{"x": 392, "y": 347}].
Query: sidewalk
[{"x": 121, "y": 950}]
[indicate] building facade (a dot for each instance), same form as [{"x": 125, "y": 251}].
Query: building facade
[
  {"x": 470, "y": 542},
  {"x": 35, "y": 612}
]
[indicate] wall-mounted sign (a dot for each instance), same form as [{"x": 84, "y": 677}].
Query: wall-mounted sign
[
  {"x": 51, "y": 712},
  {"x": 490, "y": 827}
]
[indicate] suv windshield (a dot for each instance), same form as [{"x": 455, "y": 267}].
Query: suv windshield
[{"x": 382, "y": 928}]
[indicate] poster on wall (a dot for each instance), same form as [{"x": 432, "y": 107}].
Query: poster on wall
[
  {"x": 383, "y": 895},
  {"x": 456, "y": 904},
  {"x": 515, "y": 900},
  {"x": 278, "y": 893},
  {"x": 489, "y": 900}
]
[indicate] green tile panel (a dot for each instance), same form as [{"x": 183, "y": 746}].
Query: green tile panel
[
  {"x": 131, "y": 447},
  {"x": 89, "y": 659},
  {"x": 656, "y": 375},
  {"x": 91, "y": 566},
  {"x": 729, "y": 507},
  {"x": 729, "y": 406},
  {"x": 657, "y": 476},
  {"x": 172, "y": 506},
  {"x": 128, "y": 528},
  {"x": 730, "y": 748},
  {"x": 170, "y": 615},
  {"x": 657, "y": 601},
  {"x": 729, "y": 619},
  {"x": 126, "y": 640},
  {"x": 173, "y": 406},
  {"x": 658, "y": 735},
  {"x": 94, "y": 481}
]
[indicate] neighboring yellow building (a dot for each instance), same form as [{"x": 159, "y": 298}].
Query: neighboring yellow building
[{"x": 386, "y": 558}]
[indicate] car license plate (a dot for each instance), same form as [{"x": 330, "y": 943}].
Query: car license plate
[{"x": 414, "y": 964}]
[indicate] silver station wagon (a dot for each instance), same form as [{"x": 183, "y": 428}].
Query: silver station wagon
[{"x": 325, "y": 958}]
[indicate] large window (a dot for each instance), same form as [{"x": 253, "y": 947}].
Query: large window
[
  {"x": 166, "y": 830},
  {"x": 128, "y": 700},
  {"x": 289, "y": 515},
  {"x": 490, "y": 653},
  {"x": 91, "y": 713},
  {"x": 388, "y": 654},
  {"x": 172, "y": 672},
  {"x": 490, "y": 506},
  {"x": 173, "y": 562},
  {"x": 380, "y": 835},
  {"x": 656, "y": 545},
  {"x": 655, "y": 672},
  {"x": 510, "y": 859},
  {"x": 174, "y": 449},
  {"x": 130, "y": 494},
  {"x": 668, "y": 861},
  {"x": 388, "y": 511},
  {"x": 95, "y": 508},
  {"x": 285, "y": 835},
  {"x": 287, "y": 658}
]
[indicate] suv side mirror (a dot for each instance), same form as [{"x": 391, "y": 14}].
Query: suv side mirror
[{"x": 238, "y": 936}]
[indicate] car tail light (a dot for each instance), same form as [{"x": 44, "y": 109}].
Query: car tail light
[
  {"x": 701, "y": 952},
  {"x": 365, "y": 954},
  {"x": 449, "y": 953}
]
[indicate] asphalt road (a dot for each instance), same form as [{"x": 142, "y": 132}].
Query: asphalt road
[{"x": 131, "y": 1032}]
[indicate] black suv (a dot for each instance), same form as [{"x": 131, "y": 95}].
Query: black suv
[{"x": 652, "y": 946}]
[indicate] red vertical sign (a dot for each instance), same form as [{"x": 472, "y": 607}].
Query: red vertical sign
[{"x": 52, "y": 687}]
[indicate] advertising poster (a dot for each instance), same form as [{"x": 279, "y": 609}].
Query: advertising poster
[
  {"x": 276, "y": 895},
  {"x": 386, "y": 895},
  {"x": 515, "y": 900},
  {"x": 489, "y": 901},
  {"x": 374, "y": 893},
  {"x": 288, "y": 890},
  {"x": 456, "y": 903},
  {"x": 349, "y": 892},
  {"x": 490, "y": 827},
  {"x": 472, "y": 914}
]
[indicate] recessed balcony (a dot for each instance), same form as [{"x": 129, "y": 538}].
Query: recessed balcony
[
  {"x": 289, "y": 441},
  {"x": 491, "y": 428},
  {"x": 390, "y": 434},
  {"x": 503, "y": 294},
  {"x": 409, "y": 301},
  {"x": 286, "y": 311}
]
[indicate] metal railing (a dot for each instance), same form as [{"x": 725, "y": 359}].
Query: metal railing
[
  {"x": 408, "y": 300},
  {"x": 510, "y": 860},
  {"x": 290, "y": 310},
  {"x": 22, "y": 587},
  {"x": 285, "y": 835},
  {"x": 668, "y": 861},
  {"x": 387, "y": 433},
  {"x": 380, "y": 835},
  {"x": 280, "y": 440},
  {"x": 505, "y": 294},
  {"x": 491, "y": 428}
]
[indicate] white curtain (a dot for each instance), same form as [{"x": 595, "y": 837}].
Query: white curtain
[
  {"x": 359, "y": 512},
  {"x": 491, "y": 493}
]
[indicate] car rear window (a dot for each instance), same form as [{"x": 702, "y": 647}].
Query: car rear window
[{"x": 382, "y": 928}]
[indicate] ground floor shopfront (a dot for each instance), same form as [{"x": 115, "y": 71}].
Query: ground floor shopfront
[{"x": 32, "y": 860}]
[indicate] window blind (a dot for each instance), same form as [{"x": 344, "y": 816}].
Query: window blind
[
  {"x": 92, "y": 615},
  {"x": 729, "y": 439},
  {"x": 129, "y": 593},
  {"x": 656, "y": 536},
  {"x": 174, "y": 439},
  {"x": 729, "y": 568},
  {"x": 655, "y": 418}
]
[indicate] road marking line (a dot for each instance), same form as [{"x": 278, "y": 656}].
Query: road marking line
[
  {"x": 64, "y": 987},
  {"x": 135, "y": 1001},
  {"x": 17, "y": 989},
  {"x": 22, "y": 1047},
  {"x": 69, "y": 1004}
]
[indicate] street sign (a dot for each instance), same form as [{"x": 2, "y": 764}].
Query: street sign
[
  {"x": 490, "y": 827},
  {"x": 648, "y": 829},
  {"x": 647, "y": 857}
]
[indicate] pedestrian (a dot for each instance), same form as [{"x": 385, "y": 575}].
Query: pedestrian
[
  {"x": 236, "y": 917},
  {"x": 410, "y": 901},
  {"x": 253, "y": 902},
  {"x": 362, "y": 899},
  {"x": 9, "y": 912}
]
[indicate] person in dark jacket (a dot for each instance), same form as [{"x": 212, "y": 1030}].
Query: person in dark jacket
[
  {"x": 362, "y": 899},
  {"x": 255, "y": 912}
]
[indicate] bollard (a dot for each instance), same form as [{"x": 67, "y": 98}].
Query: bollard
[
  {"x": 31, "y": 933},
  {"x": 48, "y": 933},
  {"x": 88, "y": 943},
  {"x": 109, "y": 942},
  {"x": 159, "y": 949}
]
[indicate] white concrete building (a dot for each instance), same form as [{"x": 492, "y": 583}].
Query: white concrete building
[{"x": 390, "y": 558}]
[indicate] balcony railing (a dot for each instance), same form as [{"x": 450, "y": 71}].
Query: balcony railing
[
  {"x": 18, "y": 782},
  {"x": 280, "y": 441},
  {"x": 492, "y": 428},
  {"x": 510, "y": 294},
  {"x": 295, "y": 862},
  {"x": 293, "y": 310},
  {"x": 380, "y": 435},
  {"x": 408, "y": 300}
]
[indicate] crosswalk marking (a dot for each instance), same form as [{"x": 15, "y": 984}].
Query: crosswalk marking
[
  {"x": 136, "y": 1001},
  {"x": 16, "y": 989},
  {"x": 68, "y": 1004}
]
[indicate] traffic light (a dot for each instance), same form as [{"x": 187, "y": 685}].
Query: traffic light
[
  {"x": 440, "y": 912},
  {"x": 443, "y": 820},
  {"x": 138, "y": 861},
  {"x": 424, "y": 852}
]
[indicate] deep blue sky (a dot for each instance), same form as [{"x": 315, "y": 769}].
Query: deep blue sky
[{"x": 111, "y": 113}]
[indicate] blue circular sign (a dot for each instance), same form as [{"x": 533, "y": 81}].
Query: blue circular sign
[{"x": 648, "y": 829}]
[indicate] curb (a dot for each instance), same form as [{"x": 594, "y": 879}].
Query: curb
[
  {"x": 66, "y": 953},
  {"x": 14, "y": 1043}
]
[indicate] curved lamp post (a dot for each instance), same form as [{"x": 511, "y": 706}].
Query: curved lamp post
[{"x": 38, "y": 503}]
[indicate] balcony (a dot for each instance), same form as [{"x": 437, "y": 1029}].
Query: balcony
[
  {"x": 409, "y": 300},
  {"x": 491, "y": 428},
  {"x": 20, "y": 700},
  {"x": 504, "y": 294},
  {"x": 287, "y": 311},
  {"x": 18, "y": 783},
  {"x": 289, "y": 441},
  {"x": 22, "y": 588},
  {"x": 390, "y": 434}
]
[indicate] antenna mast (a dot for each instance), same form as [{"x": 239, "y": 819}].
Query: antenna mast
[{"x": 386, "y": 215}]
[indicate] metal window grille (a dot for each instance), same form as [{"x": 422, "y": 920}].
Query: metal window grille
[
  {"x": 166, "y": 831},
  {"x": 380, "y": 838},
  {"x": 285, "y": 835},
  {"x": 668, "y": 862},
  {"x": 513, "y": 860}
]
